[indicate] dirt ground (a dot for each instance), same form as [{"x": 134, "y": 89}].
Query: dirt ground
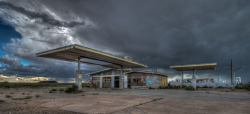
[{"x": 63, "y": 103}]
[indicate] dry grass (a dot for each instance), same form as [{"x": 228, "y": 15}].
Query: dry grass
[{"x": 80, "y": 91}]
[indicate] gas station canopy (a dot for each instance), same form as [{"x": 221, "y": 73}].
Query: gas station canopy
[
  {"x": 207, "y": 66},
  {"x": 72, "y": 52}
]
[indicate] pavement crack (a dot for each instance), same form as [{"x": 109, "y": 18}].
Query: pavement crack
[
  {"x": 142, "y": 110},
  {"x": 221, "y": 96}
]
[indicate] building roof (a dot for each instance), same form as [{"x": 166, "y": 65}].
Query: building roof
[
  {"x": 72, "y": 52},
  {"x": 207, "y": 66},
  {"x": 147, "y": 73}
]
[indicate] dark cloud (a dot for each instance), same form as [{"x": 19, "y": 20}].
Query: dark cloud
[
  {"x": 46, "y": 19},
  {"x": 156, "y": 33}
]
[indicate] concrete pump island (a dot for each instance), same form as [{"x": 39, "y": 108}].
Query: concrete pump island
[{"x": 120, "y": 88}]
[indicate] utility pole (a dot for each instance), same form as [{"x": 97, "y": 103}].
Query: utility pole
[{"x": 234, "y": 71}]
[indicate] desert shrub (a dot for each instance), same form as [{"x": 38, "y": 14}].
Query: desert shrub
[
  {"x": 28, "y": 97},
  {"x": 11, "y": 92},
  {"x": 8, "y": 96},
  {"x": 151, "y": 88},
  {"x": 34, "y": 86},
  {"x": 82, "y": 94},
  {"x": 50, "y": 92},
  {"x": 1, "y": 100},
  {"x": 38, "y": 96},
  {"x": 190, "y": 88},
  {"x": 211, "y": 87},
  {"x": 220, "y": 87},
  {"x": 245, "y": 87},
  {"x": 53, "y": 90},
  {"x": 23, "y": 93},
  {"x": 71, "y": 89},
  {"x": 61, "y": 89},
  {"x": 17, "y": 98},
  {"x": 95, "y": 94},
  {"x": 205, "y": 86}
]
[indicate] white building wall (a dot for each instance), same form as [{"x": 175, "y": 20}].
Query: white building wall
[{"x": 215, "y": 85}]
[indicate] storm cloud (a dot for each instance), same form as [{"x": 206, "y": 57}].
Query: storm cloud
[
  {"x": 156, "y": 33},
  {"x": 45, "y": 19}
]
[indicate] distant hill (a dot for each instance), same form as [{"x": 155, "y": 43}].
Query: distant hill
[{"x": 48, "y": 82}]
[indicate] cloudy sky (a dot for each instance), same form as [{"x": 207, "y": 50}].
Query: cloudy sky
[{"x": 157, "y": 33}]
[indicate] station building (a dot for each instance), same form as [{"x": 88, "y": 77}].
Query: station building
[{"x": 109, "y": 78}]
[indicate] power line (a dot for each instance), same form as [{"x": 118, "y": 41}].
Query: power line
[{"x": 226, "y": 47}]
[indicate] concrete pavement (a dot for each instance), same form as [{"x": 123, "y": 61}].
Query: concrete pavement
[{"x": 180, "y": 94}]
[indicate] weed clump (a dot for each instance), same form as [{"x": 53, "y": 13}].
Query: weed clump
[
  {"x": 61, "y": 89},
  {"x": 95, "y": 94},
  {"x": 28, "y": 97},
  {"x": 53, "y": 90},
  {"x": 17, "y": 98},
  {"x": 220, "y": 87},
  {"x": 205, "y": 86},
  {"x": 38, "y": 96},
  {"x": 211, "y": 87},
  {"x": 1, "y": 100},
  {"x": 11, "y": 92},
  {"x": 23, "y": 93},
  {"x": 190, "y": 88},
  {"x": 8, "y": 96},
  {"x": 71, "y": 89}
]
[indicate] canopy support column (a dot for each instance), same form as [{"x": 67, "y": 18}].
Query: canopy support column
[
  {"x": 194, "y": 79},
  {"x": 121, "y": 79},
  {"x": 182, "y": 80},
  {"x": 79, "y": 75}
]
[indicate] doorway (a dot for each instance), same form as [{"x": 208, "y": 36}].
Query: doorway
[{"x": 117, "y": 82}]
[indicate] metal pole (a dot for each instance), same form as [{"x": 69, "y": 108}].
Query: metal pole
[
  {"x": 234, "y": 77},
  {"x": 218, "y": 78},
  {"x": 232, "y": 71}
]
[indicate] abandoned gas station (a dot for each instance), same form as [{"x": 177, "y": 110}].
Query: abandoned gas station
[{"x": 119, "y": 73}]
